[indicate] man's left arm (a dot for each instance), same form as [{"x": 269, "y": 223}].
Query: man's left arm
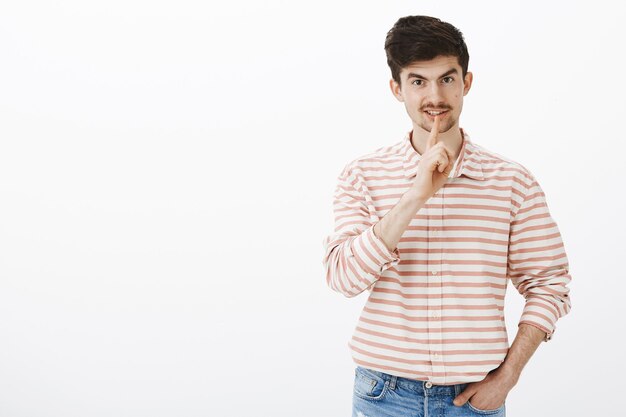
[
  {"x": 538, "y": 268},
  {"x": 490, "y": 393}
]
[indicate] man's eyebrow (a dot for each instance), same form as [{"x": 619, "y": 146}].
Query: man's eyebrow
[{"x": 450, "y": 71}]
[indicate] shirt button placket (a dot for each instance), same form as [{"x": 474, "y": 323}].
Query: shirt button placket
[{"x": 435, "y": 300}]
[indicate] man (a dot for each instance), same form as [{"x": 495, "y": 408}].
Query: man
[{"x": 434, "y": 226}]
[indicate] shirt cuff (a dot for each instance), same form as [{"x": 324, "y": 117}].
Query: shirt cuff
[
  {"x": 548, "y": 333},
  {"x": 372, "y": 254}
]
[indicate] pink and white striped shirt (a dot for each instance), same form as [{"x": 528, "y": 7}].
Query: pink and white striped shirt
[{"x": 435, "y": 309}]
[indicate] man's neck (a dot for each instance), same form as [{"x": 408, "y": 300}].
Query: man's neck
[{"x": 452, "y": 139}]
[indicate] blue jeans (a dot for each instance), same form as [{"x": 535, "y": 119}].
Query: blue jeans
[{"x": 377, "y": 394}]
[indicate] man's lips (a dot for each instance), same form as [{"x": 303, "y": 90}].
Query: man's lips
[{"x": 443, "y": 114}]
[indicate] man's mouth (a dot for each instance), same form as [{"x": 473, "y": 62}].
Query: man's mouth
[{"x": 433, "y": 113}]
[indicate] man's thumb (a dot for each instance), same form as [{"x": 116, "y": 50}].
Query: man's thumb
[{"x": 460, "y": 400}]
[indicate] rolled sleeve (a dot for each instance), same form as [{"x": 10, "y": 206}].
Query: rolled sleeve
[
  {"x": 372, "y": 254},
  {"x": 537, "y": 263},
  {"x": 354, "y": 257}
]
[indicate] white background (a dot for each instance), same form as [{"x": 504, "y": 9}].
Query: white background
[{"x": 166, "y": 180}]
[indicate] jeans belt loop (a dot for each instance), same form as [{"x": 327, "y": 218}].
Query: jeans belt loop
[{"x": 392, "y": 382}]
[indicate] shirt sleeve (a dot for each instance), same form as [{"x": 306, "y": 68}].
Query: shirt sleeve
[
  {"x": 354, "y": 257},
  {"x": 537, "y": 263}
]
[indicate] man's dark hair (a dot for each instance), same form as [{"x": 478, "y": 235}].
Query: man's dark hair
[{"x": 422, "y": 38}]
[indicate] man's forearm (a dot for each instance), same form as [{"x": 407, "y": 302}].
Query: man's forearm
[
  {"x": 526, "y": 341},
  {"x": 393, "y": 224}
]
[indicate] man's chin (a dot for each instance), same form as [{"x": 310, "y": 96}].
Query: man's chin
[{"x": 427, "y": 126}]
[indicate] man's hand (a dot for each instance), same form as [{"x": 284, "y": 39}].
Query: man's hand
[
  {"x": 434, "y": 165},
  {"x": 488, "y": 394}
]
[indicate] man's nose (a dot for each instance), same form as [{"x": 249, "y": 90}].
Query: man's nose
[{"x": 435, "y": 93}]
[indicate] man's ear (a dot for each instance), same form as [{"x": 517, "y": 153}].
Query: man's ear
[
  {"x": 467, "y": 83},
  {"x": 396, "y": 90}
]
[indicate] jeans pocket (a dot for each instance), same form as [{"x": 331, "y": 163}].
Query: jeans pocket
[
  {"x": 369, "y": 385},
  {"x": 459, "y": 388},
  {"x": 485, "y": 412}
]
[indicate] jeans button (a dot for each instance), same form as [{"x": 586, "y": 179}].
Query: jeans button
[{"x": 429, "y": 384}]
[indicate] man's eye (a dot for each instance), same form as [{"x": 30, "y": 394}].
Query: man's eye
[
  {"x": 417, "y": 81},
  {"x": 448, "y": 78}
]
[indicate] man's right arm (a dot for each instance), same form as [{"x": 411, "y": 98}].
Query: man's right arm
[
  {"x": 363, "y": 247},
  {"x": 394, "y": 223}
]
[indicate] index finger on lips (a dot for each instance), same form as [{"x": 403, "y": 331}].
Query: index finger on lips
[{"x": 434, "y": 131}]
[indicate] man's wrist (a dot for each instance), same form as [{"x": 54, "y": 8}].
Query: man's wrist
[
  {"x": 507, "y": 375},
  {"x": 416, "y": 197}
]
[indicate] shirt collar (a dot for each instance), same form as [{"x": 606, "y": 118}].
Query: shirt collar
[{"x": 469, "y": 154}]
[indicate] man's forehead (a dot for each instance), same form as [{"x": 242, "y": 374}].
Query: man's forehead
[{"x": 433, "y": 66}]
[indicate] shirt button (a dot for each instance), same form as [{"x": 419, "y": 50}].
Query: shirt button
[
  {"x": 434, "y": 272},
  {"x": 435, "y": 315},
  {"x": 436, "y": 355},
  {"x": 429, "y": 384}
]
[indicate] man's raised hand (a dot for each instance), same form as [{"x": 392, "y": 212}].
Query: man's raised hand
[{"x": 434, "y": 165}]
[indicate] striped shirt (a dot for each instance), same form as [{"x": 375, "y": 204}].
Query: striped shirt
[{"x": 435, "y": 309}]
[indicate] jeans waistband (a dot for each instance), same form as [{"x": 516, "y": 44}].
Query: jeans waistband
[{"x": 426, "y": 387}]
